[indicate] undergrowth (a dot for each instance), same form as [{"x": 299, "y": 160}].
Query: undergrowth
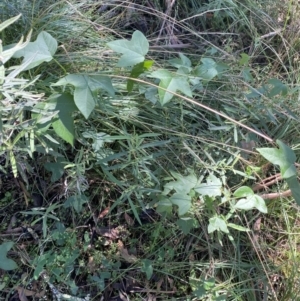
[{"x": 149, "y": 150}]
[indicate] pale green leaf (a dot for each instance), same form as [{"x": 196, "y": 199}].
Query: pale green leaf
[
  {"x": 217, "y": 224},
  {"x": 243, "y": 191},
  {"x": 85, "y": 90},
  {"x": 98, "y": 139},
  {"x": 42, "y": 50},
  {"x": 207, "y": 70},
  {"x": 8, "y": 22},
  {"x": 285, "y": 158},
  {"x": 172, "y": 83},
  {"x": 6, "y": 264},
  {"x": 182, "y": 62},
  {"x": 133, "y": 51},
  {"x": 183, "y": 202},
  {"x": 280, "y": 156},
  {"x": 164, "y": 205},
  {"x": 183, "y": 184},
  {"x": 10, "y": 50},
  {"x": 252, "y": 202},
  {"x": 237, "y": 227},
  {"x": 212, "y": 187}
]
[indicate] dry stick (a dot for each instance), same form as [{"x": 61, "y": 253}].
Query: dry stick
[
  {"x": 265, "y": 183},
  {"x": 199, "y": 105},
  {"x": 170, "y": 4},
  {"x": 275, "y": 195},
  {"x": 261, "y": 256}
]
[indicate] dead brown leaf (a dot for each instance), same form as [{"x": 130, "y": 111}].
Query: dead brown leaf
[
  {"x": 123, "y": 296},
  {"x": 103, "y": 213},
  {"x": 91, "y": 264},
  {"x": 129, "y": 220},
  {"x": 21, "y": 293},
  {"x": 124, "y": 253},
  {"x": 112, "y": 233},
  {"x": 24, "y": 293}
]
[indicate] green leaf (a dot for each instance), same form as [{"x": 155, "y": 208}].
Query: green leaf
[
  {"x": 133, "y": 51},
  {"x": 251, "y": 202},
  {"x": 183, "y": 63},
  {"x": 98, "y": 139},
  {"x": 185, "y": 224},
  {"x": 237, "y": 227},
  {"x": 86, "y": 88},
  {"x": 278, "y": 87},
  {"x": 284, "y": 157},
  {"x": 64, "y": 124},
  {"x": 76, "y": 201},
  {"x": 136, "y": 71},
  {"x": 198, "y": 288},
  {"x": 295, "y": 188},
  {"x": 172, "y": 83},
  {"x": 244, "y": 60},
  {"x": 57, "y": 169},
  {"x": 6, "y": 263},
  {"x": 183, "y": 202},
  {"x": 246, "y": 72},
  {"x": 207, "y": 70},
  {"x": 183, "y": 184},
  {"x": 147, "y": 268},
  {"x": 212, "y": 187},
  {"x": 42, "y": 50},
  {"x": 243, "y": 191},
  {"x": 217, "y": 224},
  {"x": 164, "y": 205}
]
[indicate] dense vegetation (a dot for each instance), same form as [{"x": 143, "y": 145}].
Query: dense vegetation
[{"x": 149, "y": 150}]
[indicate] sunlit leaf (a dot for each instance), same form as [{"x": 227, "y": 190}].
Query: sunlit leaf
[
  {"x": 207, "y": 70},
  {"x": 285, "y": 158},
  {"x": 183, "y": 202},
  {"x": 216, "y": 223},
  {"x": 243, "y": 191},
  {"x": 212, "y": 187},
  {"x": 252, "y": 202},
  {"x": 42, "y": 50},
  {"x": 136, "y": 71},
  {"x": 133, "y": 51},
  {"x": 171, "y": 82},
  {"x": 183, "y": 184}
]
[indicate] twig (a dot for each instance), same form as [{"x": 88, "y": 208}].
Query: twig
[{"x": 170, "y": 4}]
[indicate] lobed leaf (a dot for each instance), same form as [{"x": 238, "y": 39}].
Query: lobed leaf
[
  {"x": 41, "y": 50},
  {"x": 133, "y": 51}
]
